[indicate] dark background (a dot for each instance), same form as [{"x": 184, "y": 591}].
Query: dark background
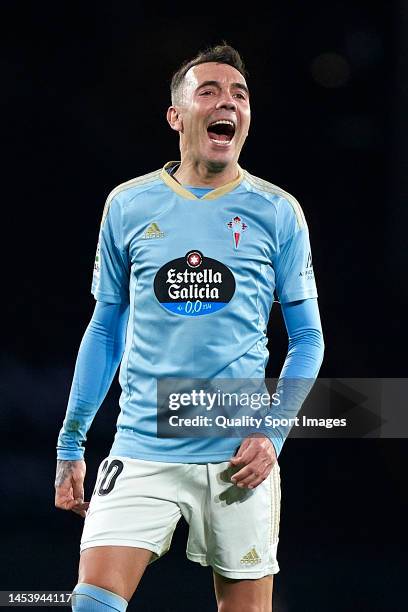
[{"x": 85, "y": 90}]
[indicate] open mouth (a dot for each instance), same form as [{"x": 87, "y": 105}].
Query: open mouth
[{"x": 221, "y": 132}]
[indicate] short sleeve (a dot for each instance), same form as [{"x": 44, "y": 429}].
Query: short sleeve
[
  {"x": 110, "y": 281},
  {"x": 293, "y": 264}
]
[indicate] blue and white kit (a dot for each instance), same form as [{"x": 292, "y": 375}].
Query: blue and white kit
[{"x": 184, "y": 280}]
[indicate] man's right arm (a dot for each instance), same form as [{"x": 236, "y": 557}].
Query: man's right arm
[{"x": 98, "y": 358}]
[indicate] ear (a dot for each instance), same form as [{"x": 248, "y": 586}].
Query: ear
[{"x": 174, "y": 118}]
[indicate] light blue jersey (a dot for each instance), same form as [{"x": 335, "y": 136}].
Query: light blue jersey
[{"x": 199, "y": 274}]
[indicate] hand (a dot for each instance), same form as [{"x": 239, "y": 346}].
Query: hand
[
  {"x": 69, "y": 486},
  {"x": 257, "y": 455}
]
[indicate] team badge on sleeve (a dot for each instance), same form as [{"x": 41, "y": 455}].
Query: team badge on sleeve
[
  {"x": 237, "y": 226},
  {"x": 307, "y": 272}
]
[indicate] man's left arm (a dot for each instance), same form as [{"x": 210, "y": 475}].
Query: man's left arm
[
  {"x": 296, "y": 289},
  {"x": 258, "y": 453}
]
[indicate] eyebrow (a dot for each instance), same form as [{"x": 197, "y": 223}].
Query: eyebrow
[{"x": 218, "y": 85}]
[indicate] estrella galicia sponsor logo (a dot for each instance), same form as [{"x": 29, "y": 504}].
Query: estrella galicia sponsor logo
[{"x": 194, "y": 285}]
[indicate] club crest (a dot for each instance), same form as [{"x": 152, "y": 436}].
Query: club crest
[{"x": 237, "y": 226}]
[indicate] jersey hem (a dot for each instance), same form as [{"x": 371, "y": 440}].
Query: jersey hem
[{"x": 172, "y": 458}]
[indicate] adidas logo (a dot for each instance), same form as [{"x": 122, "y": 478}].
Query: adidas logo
[
  {"x": 153, "y": 231},
  {"x": 251, "y": 558}
]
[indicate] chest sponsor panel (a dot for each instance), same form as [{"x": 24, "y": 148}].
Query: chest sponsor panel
[{"x": 194, "y": 285}]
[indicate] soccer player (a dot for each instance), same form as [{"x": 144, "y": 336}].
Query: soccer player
[{"x": 247, "y": 238}]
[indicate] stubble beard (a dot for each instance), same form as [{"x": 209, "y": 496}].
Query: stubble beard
[{"x": 215, "y": 166}]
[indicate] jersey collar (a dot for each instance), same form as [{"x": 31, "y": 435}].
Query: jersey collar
[{"x": 211, "y": 195}]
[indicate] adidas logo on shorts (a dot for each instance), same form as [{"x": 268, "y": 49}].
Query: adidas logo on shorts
[{"x": 251, "y": 558}]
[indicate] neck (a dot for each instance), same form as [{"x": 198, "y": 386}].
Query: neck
[{"x": 202, "y": 174}]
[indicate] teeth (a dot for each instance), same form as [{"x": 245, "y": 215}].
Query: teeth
[
  {"x": 224, "y": 143},
  {"x": 223, "y": 121}
]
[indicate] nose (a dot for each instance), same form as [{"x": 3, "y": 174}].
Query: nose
[{"x": 226, "y": 101}]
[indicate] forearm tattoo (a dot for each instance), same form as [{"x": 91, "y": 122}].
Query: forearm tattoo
[{"x": 64, "y": 470}]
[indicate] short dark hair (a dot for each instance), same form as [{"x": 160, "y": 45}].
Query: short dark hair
[{"x": 222, "y": 54}]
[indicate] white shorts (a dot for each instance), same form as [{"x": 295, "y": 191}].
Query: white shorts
[{"x": 138, "y": 503}]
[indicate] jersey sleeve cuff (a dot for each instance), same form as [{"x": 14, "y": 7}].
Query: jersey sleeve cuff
[
  {"x": 110, "y": 298},
  {"x": 275, "y": 437},
  {"x": 70, "y": 455},
  {"x": 297, "y": 296}
]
